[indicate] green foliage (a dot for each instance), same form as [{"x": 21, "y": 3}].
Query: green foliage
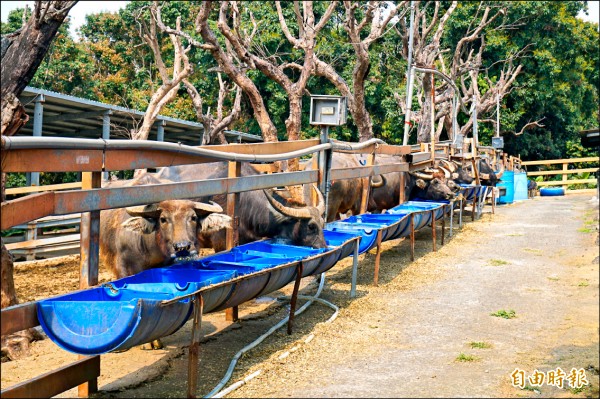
[
  {"x": 511, "y": 314},
  {"x": 466, "y": 358},
  {"x": 559, "y": 81}
]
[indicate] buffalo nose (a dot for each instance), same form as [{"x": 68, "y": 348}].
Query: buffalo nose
[{"x": 182, "y": 246}]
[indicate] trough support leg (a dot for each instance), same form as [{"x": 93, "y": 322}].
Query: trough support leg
[
  {"x": 195, "y": 347},
  {"x": 232, "y": 314},
  {"x": 377, "y": 259},
  {"x": 433, "y": 238},
  {"x": 493, "y": 201},
  {"x": 354, "y": 269},
  {"x": 473, "y": 211},
  {"x": 462, "y": 208},
  {"x": 451, "y": 218},
  {"x": 444, "y": 223},
  {"x": 412, "y": 237},
  {"x": 294, "y": 298}
]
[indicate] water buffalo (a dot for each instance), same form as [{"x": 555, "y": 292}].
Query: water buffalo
[
  {"x": 487, "y": 175},
  {"x": 141, "y": 237},
  {"x": 431, "y": 184},
  {"x": 458, "y": 174},
  {"x": 262, "y": 213},
  {"x": 344, "y": 194}
]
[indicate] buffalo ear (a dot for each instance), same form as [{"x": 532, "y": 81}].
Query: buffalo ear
[
  {"x": 139, "y": 225},
  {"x": 421, "y": 183},
  {"x": 146, "y": 211}
]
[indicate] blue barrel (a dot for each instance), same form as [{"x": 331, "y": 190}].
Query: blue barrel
[
  {"x": 520, "y": 186},
  {"x": 507, "y": 181},
  {"x": 552, "y": 191}
]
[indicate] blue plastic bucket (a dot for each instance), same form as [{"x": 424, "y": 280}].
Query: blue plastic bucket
[{"x": 507, "y": 181}]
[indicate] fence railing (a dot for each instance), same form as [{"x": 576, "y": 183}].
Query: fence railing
[
  {"x": 565, "y": 173},
  {"x": 92, "y": 158}
]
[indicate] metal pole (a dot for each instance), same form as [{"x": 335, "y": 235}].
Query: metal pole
[
  {"x": 160, "y": 131},
  {"x": 432, "y": 138},
  {"x": 38, "y": 117},
  {"x": 498, "y": 115},
  {"x": 475, "y": 132},
  {"x": 354, "y": 269},
  {"x": 409, "y": 76},
  {"x": 106, "y": 133}
]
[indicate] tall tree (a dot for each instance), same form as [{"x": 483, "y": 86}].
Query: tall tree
[
  {"x": 363, "y": 28},
  {"x": 22, "y": 53}
]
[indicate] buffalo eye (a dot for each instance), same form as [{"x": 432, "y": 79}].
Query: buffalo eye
[
  {"x": 312, "y": 226},
  {"x": 163, "y": 220},
  {"x": 194, "y": 218}
]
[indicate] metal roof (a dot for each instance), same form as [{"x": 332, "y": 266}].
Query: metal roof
[{"x": 69, "y": 116}]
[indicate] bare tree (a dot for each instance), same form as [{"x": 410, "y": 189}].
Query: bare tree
[
  {"x": 465, "y": 65},
  {"x": 22, "y": 53},
  {"x": 170, "y": 83},
  {"x": 214, "y": 127},
  {"x": 376, "y": 19},
  {"x": 231, "y": 66}
]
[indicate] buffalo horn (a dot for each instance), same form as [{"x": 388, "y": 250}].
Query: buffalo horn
[
  {"x": 202, "y": 207},
  {"x": 423, "y": 176},
  {"x": 380, "y": 183},
  {"x": 145, "y": 211},
  {"x": 484, "y": 176},
  {"x": 447, "y": 173},
  {"x": 297, "y": 213},
  {"x": 501, "y": 171},
  {"x": 321, "y": 202},
  {"x": 449, "y": 165}
]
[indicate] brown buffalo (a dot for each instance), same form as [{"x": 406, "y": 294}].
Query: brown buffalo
[{"x": 141, "y": 237}]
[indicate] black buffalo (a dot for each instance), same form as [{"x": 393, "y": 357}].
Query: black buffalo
[{"x": 262, "y": 213}]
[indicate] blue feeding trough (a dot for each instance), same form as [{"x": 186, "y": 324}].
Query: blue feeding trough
[
  {"x": 156, "y": 302},
  {"x": 104, "y": 319},
  {"x": 391, "y": 225},
  {"x": 469, "y": 191},
  {"x": 367, "y": 233},
  {"x": 421, "y": 211}
]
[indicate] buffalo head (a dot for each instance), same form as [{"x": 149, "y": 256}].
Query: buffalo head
[
  {"x": 300, "y": 224},
  {"x": 433, "y": 187},
  {"x": 176, "y": 224}
]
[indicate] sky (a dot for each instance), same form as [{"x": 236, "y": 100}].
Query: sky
[{"x": 79, "y": 11}]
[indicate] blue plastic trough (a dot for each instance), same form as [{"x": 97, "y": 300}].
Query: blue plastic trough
[
  {"x": 144, "y": 307},
  {"x": 421, "y": 211}
]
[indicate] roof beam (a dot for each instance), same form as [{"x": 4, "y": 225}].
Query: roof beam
[{"x": 78, "y": 115}]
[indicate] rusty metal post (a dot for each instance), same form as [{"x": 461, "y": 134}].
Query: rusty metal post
[
  {"x": 444, "y": 222},
  {"x": 377, "y": 258},
  {"x": 433, "y": 228},
  {"x": 294, "y": 299},
  {"x": 194, "y": 348},
  {"x": 401, "y": 195},
  {"x": 89, "y": 258},
  {"x": 90, "y": 236},
  {"x": 234, "y": 170},
  {"x": 412, "y": 237},
  {"x": 364, "y": 199}
]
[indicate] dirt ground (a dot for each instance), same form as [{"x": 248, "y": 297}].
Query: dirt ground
[{"x": 426, "y": 330}]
